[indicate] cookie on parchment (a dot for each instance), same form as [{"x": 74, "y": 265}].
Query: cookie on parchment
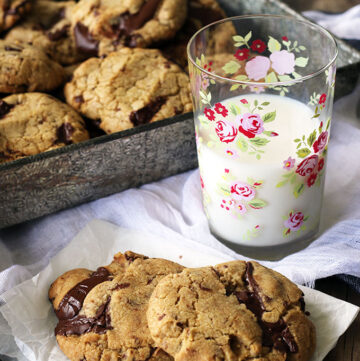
[
  {"x": 26, "y": 68},
  {"x": 102, "y": 314},
  {"x": 128, "y": 88},
  {"x": 47, "y": 27},
  {"x": 32, "y": 123},
  {"x": 231, "y": 312},
  {"x": 11, "y": 11},
  {"x": 101, "y": 26}
]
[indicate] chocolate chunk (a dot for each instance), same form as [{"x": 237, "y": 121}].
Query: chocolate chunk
[
  {"x": 84, "y": 41},
  {"x": 79, "y": 99},
  {"x": 121, "y": 286},
  {"x": 12, "y": 48},
  {"x": 4, "y": 108},
  {"x": 289, "y": 340},
  {"x": 79, "y": 325},
  {"x": 64, "y": 133},
  {"x": 145, "y": 114},
  {"x": 72, "y": 302},
  {"x": 161, "y": 317},
  {"x": 58, "y": 34},
  {"x": 204, "y": 288},
  {"x": 127, "y": 23}
]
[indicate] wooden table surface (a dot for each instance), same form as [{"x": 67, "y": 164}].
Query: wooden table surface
[{"x": 348, "y": 346}]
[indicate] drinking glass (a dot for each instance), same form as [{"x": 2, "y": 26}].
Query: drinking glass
[{"x": 262, "y": 89}]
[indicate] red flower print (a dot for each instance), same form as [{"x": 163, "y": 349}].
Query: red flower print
[
  {"x": 244, "y": 101},
  {"x": 220, "y": 109},
  {"x": 321, "y": 164},
  {"x": 285, "y": 38},
  {"x": 210, "y": 114},
  {"x": 250, "y": 124},
  {"x": 258, "y": 45},
  {"x": 308, "y": 165},
  {"x": 226, "y": 170},
  {"x": 295, "y": 221},
  {"x": 322, "y": 98},
  {"x": 311, "y": 180},
  {"x": 274, "y": 134},
  {"x": 320, "y": 144},
  {"x": 242, "y": 54},
  {"x": 202, "y": 183},
  {"x": 242, "y": 191},
  {"x": 226, "y": 131}
]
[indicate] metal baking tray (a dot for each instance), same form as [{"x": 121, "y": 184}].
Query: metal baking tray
[{"x": 45, "y": 183}]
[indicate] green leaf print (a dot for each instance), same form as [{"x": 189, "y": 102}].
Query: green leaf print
[
  {"x": 302, "y": 62},
  {"x": 242, "y": 144},
  {"x": 259, "y": 142},
  {"x": 299, "y": 188},
  {"x": 273, "y": 44},
  {"x": 303, "y": 152},
  {"x": 223, "y": 189},
  {"x": 311, "y": 139},
  {"x": 231, "y": 67},
  {"x": 257, "y": 203},
  {"x": 269, "y": 117}
]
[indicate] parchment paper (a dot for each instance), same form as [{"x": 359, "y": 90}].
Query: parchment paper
[{"x": 28, "y": 321}]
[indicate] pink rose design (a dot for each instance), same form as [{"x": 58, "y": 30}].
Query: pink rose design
[
  {"x": 242, "y": 191},
  {"x": 289, "y": 163},
  {"x": 282, "y": 62},
  {"x": 240, "y": 208},
  {"x": 250, "y": 124},
  {"x": 225, "y": 131},
  {"x": 295, "y": 221},
  {"x": 257, "y": 67},
  {"x": 307, "y": 166},
  {"x": 311, "y": 180},
  {"x": 320, "y": 144}
]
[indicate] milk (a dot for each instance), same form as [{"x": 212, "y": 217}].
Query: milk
[{"x": 250, "y": 198}]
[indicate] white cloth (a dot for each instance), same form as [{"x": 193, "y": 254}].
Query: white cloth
[{"x": 172, "y": 209}]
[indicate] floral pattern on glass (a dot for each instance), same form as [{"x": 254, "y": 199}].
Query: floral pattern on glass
[
  {"x": 294, "y": 222},
  {"x": 244, "y": 124}
]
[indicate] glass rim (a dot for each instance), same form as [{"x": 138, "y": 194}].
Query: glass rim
[{"x": 257, "y": 83}]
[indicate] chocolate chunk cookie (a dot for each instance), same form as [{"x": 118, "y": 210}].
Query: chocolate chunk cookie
[
  {"x": 32, "y": 123},
  {"x": 48, "y": 27},
  {"x": 26, "y": 68},
  {"x": 102, "y": 314},
  {"x": 101, "y": 26},
  {"x": 11, "y": 11},
  {"x": 235, "y": 311},
  {"x": 127, "y": 88}
]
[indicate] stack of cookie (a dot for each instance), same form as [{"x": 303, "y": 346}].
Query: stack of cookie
[
  {"x": 141, "y": 309},
  {"x": 95, "y": 56}
]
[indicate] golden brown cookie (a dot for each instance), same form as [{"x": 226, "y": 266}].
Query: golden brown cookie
[
  {"x": 102, "y": 314},
  {"x": 32, "y": 123},
  {"x": 47, "y": 27},
  {"x": 232, "y": 312},
  {"x": 101, "y": 26},
  {"x": 11, "y": 11},
  {"x": 128, "y": 88},
  {"x": 26, "y": 68}
]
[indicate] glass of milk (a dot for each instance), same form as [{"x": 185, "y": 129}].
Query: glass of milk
[{"x": 262, "y": 88}]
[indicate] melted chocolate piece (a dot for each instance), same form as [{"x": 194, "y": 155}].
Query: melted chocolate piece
[
  {"x": 64, "y": 133},
  {"x": 58, "y": 34},
  {"x": 72, "y": 302},
  {"x": 4, "y": 108},
  {"x": 275, "y": 335},
  {"x": 84, "y": 41},
  {"x": 127, "y": 23},
  {"x": 79, "y": 325},
  {"x": 79, "y": 99},
  {"x": 144, "y": 115}
]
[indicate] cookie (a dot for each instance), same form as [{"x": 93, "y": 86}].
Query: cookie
[
  {"x": 102, "y": 26},
  {"x": 102, "y": 315},
  {"x": 235, "y": 311},
  {"x": 200, "y": 13},
  {"x": 128, "y": 88},
  {"x": 32, "y": 123},
  {"x": 47, "y": 27},
  {"x": 11, "y": 11},
  {"x": 26, "y": 68}
]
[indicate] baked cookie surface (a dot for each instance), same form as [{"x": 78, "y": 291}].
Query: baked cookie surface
[
  {"x": 101, "y": 26},
  {"x": 128, "y": 88},
  {"x": 47, "y": 27},
  {"x": 32, "y": 123},
  {"x": 26, "y": 68},
  {"x": 11, "y": 11},
  {"x": 235, "y": 311},
  {"x": 102, "y": 314}
]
